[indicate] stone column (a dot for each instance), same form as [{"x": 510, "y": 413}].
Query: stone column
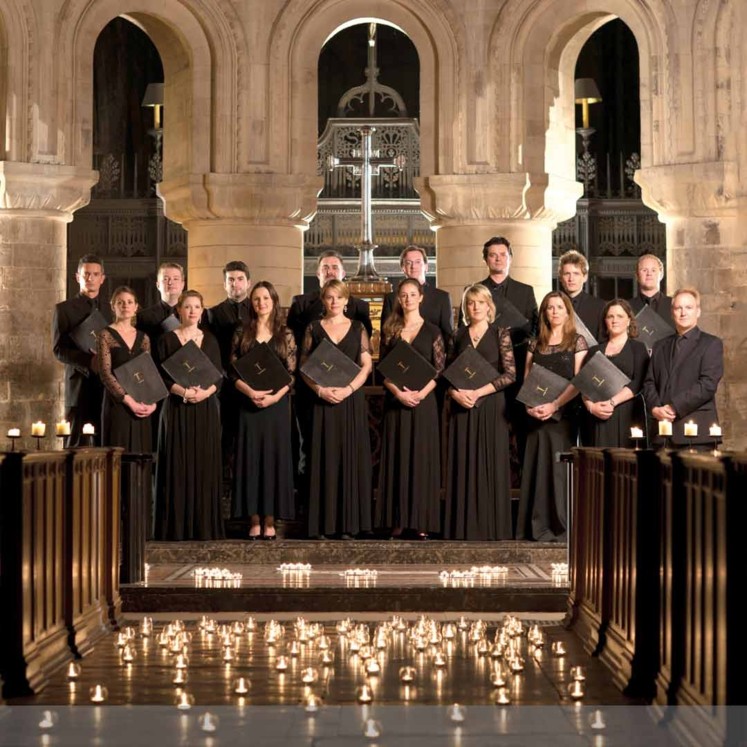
[
  {"x": 36, "y": 204},
  {"x": 466, "y": 210},
  {"x": 706, "y": 250},
  {"x": 257, "y": 218}
]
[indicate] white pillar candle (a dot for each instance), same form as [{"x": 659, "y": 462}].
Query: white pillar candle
[
  {"x": 88, "y": 429},
  {"x": 715, "y": 431},
  {"x": 38, "y": 429},
  {"x": 691, "y": 429},
  {"x": 636, "y": 432},
  {"x": 62, "y": 428},
  {"x": 665, "y": 428},
  {"x": 14, "y": 433}
]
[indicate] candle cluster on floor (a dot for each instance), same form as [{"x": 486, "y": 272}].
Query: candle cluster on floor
[
  {"x": 313, "y": 663},
  {"x": 217, "y": 578}
]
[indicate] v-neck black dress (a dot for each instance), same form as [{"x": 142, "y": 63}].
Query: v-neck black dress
[
  {"x": 119, "y": 425},
  {"x": 410, "y": 468},
  {"x": 340, "y": 477},
  {"x": 478, "y": 479}
]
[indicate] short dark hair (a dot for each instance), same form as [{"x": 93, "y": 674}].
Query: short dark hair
[
  {"x": 492, "y": 242},
  {"x": 627, "y": 308},
  {"x": 413, "y": 248},
  {"x": 237, "y": 266},
  {"x": 90, "y": 259},
  {"x": 326, "y": 254}
]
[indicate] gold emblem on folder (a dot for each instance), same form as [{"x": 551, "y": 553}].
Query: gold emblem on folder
[
  {"x": 597, "y": 381},
  {"x": 139, "y": 378},
  {"x": 543, "y": 390}
]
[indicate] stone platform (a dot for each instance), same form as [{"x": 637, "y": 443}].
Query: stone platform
[{"x": 394, "y": 576}]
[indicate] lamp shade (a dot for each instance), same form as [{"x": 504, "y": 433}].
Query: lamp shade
[
  {"x": 154, "y": 95},
  {"x": 585, "y": 90}
]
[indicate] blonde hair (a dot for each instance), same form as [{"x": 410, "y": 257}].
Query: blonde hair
[{"x": 478, "y": 290}]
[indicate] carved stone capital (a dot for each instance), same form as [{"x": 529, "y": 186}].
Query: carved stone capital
[
  {"x": 45, "y": 188},
  {"x": 690, "y": 190},
  {"x": 464, "y": 199},
  {"x": 262, "y": 199}
]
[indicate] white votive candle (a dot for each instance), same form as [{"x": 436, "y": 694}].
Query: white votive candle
[
  {"x": 691, "y": 429},
  {"x": 14, "y": 433},
  {"x": 636, "y": 432},
  {"x": 665, "y": 428},
  {"x": 38, "y": 429},
  {"x": 715, "y": 431},
  {"x": 62, "y": 428},
  {"x": 88, "y": 429}
]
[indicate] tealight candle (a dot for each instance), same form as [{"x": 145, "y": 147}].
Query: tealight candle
[
  {"x": 372, "y": 668},
  {"x": 691, "y": 429},
  {"x": 407, "y": 674},
  {"x": 128, "y": 654},
  {"x": 14, "y": 433},
  {"x": 88, "y": 429},
  {"x": 181, "y": 661},
  {"x": 439, "y": 660},
  {"x": 184, "y": 701},
  {"x": 241, "y": 686},
  {"x": 281, "y": 664},
  {"x": 228, "y": 654},
  {"x": 326, "y": 658},
  {"x": 576, "y": 690},
  {"x": 62, "y": 428},
  {"x": 502, "y": 697},
  {"x": 714, "y": 431},
  {"x": 558, "y": 648},
  {"x": 38, "y": 429},
  {"x": 665, "y": 428},
  {"x": 98, "y": 694},
  {"x": 313, "y": 703},
  {"x": 577, "y": 674},
  {"x": 73, "y": 671},
  {"x": 364, "y": 694},
  {"x": 309, "y": 676},
  {"x": 180, "y": 678}
]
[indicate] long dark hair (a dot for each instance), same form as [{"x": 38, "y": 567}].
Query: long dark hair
[
  {"x": 249, "y": 332},
  {"x": 569, "y": 328},
  {"x": 396, "y": 320}
]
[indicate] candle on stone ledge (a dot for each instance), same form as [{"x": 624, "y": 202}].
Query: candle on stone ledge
[
  {"x": 665, "y": 428},
  {"x": 691, "y": 429},
  {"x": 14, "y": 433},
  {"x": 38, "y": 429},
  {"x": 73, "y": 671}
]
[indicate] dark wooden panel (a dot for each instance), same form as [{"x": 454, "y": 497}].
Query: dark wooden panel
[
  {"x": 33, "y": 590},
  {"x": 112, "y": 542}
]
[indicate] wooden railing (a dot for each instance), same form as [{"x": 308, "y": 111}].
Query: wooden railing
[{"x": 59, "y": 560}]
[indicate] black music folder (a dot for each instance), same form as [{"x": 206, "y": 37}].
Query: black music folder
[
  {"x": 507, "y": 315},
  {"x": 584, "y": 331},
  {"x": 470, "y": 370},
  {"x": 261, "y": 369},
  {"x": 541, "y": 387},
  {"x": 84, "y": 335},
  {"x": 405, "y": 367},
  {"x": 328, "y": 366},
  {"x": 141, "y": 380},
  {"x": 651, "y": 327},
  {"x": 189, "y": 366},
  {"x": 600, "y": 379}
]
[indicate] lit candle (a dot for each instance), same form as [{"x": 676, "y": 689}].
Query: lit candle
[
  {"x": 184, "y": 701},
  {"x": 576, "y": 690},
  {"x": 498, "y": 678},
  {"x": 326, "y": 658},
  {"x": 241, "y": 686},
  {"x": 181, "y": 662},
  {"x": 372, "y": 668},
  {"x": 38, "y": 429},
  {"x": 714, "y": 431},
  {"x": 373, "y": 729},
  {"x": 456, "y": 713},
  {"x": 439, "y": 660},
  {"x": 14, "y": 433},
  {"x": 665, "y": 428},
  {"x": 62, "y": 428},
  {"x": 407, "y": 674},
  {"x": 502, "y": 697},
  {"x": 98, "y": 694},
  {"x": 365, "y": 694},
  {"x": 309, "y": 676},
  {"x": 558, "y": 648},
  {"x": 691, "y": 429},
  {"x": 180, "y": 678},
  {"x": 208, "y": 722},
  {"x": 636, "y": 432},
  {"x": 282, "y": 663},
  {"x": 228, "y": 654},
  {"x": 128, "y": 654},
  {"x": 73, "y": 671},
  {"x": 577, "y": 674},
  {"x": 88, "y": 429},
  {"x": 313, "y": 703}
]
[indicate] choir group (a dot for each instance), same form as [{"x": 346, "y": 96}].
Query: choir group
[{"x": 208, "y": 389}]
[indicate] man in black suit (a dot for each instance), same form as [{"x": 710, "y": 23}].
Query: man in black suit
[
  {"x": 158, "y": 319},
  {"x": 498, "y": 255},
  {"x": 650, "y": 272},
  {"x": 83, "y": 389},
  {"x": 573, "y": 272},
  {"x": 436, "y": 305},
  {"x": 304, "y": 309},
  {"x": 684, "y": 374},
  {"x": 222, "y": 320}
]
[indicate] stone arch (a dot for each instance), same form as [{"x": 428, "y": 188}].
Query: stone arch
[
  {"x": 202, "y": 51},
  {"x": 294, "y": 53},
  {"x": 536, "y": 74},
  {"x": 17, "y": 39}
]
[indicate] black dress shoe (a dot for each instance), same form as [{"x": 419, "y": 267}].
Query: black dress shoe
[
  {"x": 346, "y": 536},
  {"x": 270, "y": 537},
  {"x": 254, "y": 537}
]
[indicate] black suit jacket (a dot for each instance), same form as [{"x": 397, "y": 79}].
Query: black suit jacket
[
  {"x": 308, "y": 307},
  {"x": 689, "y": 385},
  {"x": 149, "y": 321},
  {"x": 659, "y": 303},
  {"x": 590, "y": 309},
  {"x": 222, "y": 321},
  {"x": 80, "y": 379},
  {"x": 436, "y": 309}
]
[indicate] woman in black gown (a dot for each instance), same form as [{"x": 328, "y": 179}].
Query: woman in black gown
[
  {"x": 263, "y": 468},
  {"x": 124, "y": 422},
  {"x": 478, "y": 480},
  {"x": 188, "y": 470},
  {"x": 340, "y": 478},
  {"x": 608, "y": 423},
  {"x": 543, "y": 507},
  {"x": 410, "y": 467}
]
